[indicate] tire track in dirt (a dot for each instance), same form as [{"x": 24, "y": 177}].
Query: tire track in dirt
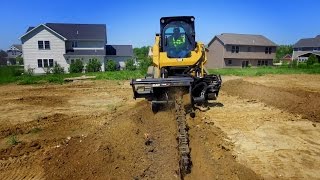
[
  {"x": 294, "y": 101},
  {"x": 21, "y": 168}
]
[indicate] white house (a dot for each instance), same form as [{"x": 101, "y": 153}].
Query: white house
[
  {"x": 305, "y": 47},
  {"x": 48, "y": 43}
]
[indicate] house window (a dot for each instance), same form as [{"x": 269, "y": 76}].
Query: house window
[
  {"x": 249, "y": 49},
  {"x": 263, "y": 63},
  {"x": 235, "y": 49},
  {"x": 268, "y": 50},
  {"x": 40, "y": 45},
  {"x": 39, "y": 63},
  {"x": 45, "y": 63},
  {"x": 229, "y": 62},
  {"x": 46, "y": 44},
  {"x": 72, "y": 61},
  {"x": 50, "y": 62},
  {"x": 74, "y": 44}
]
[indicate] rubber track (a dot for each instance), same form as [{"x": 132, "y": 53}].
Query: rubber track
[{"x": 183, "y": 139}]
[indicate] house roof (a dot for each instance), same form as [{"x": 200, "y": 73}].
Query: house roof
[
  {"x": 287, "y": 56},
  {"x": 243, "y": 39},
  {"x": 17, "y": 46},
  {"x": 30, "y": 28},
  {"x": 119, "y": 50},
  {"x": 308, "y": 42},
  {"x": 76, "y": 31},
  {"x": 86, "y": 53}
]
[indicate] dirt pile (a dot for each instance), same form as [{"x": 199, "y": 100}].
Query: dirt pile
[{"x": 294, "y": 101}]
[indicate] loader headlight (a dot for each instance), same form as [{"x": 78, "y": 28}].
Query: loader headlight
[
  {"x": 192, "y": 19},
  {"x": 162, "y": 20}
]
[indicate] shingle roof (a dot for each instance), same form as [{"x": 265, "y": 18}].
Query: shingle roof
[
  {"x": 29, "y": 28},
  {"x": 308, "y": 42},
  {"x": 244, "y": 39},
  {"x": 86, "y": 52},
  {"x": 119, "y": 50},
  {"x": 78, "y": 31},
  {"x": 18, "y": 46}
]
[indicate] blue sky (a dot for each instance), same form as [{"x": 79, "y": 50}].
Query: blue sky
[{"x": 136, "y": 22}]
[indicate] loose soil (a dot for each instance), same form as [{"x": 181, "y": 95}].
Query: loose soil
[{"x": 259, "y": 128}]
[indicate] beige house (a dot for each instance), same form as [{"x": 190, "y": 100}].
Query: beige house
[{"x": 240, "y": 50}]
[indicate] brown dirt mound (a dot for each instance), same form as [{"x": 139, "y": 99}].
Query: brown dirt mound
[
  {"x": 211, "y": 153},
  {"x": 305, "y": 103},
  {"x": 120, "y": 149}
]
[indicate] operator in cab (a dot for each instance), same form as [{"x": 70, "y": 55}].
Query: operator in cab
[{"x": 177, "y": 44}]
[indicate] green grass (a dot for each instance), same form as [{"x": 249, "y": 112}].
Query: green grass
[
  {"x": 12, "y": 74},
  {"x": 264, "y": 70},
  {"x": 13, "y": 140}
]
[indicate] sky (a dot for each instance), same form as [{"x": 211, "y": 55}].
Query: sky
[{"x": 135, "y": 22}]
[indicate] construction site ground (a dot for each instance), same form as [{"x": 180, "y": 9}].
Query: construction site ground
[{"x": 263, "y": 127}]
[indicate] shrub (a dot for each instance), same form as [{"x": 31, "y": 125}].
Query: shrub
[
  {"x": 94, "y": 65},
  {"x": 47, "y": 70},
  {"x": 130, "y": 65},
  {"x": 294, "y": 63},
  {"x": 111, "y": 65},
  {"x": 13, "y": 140},
  {"x": 312, "y": 59},
  {"x": 30, "y": 71},
  {"x": 302, "y": 65},
  {"x": 76, "y": 67},
  {"x": 19, "y": 60},
  {"x": 316, "y": 65},
  {"x": 57, "y": 69}
]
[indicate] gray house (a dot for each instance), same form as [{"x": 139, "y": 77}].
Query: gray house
[
  {"x": 64, "y": 43},
  {"x": 239, "y": 50},
  {"x": 119, "y": 54},
  {"x": 13, "y": 52},
  {"x": 305, "y": 47}
]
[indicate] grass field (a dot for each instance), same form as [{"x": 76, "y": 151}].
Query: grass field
[
  {"x": 265, "y": 70},
  {"x": 12, "y": 74}
]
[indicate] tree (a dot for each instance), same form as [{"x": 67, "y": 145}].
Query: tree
[
  {"x": 57, "y": 69},
  {"x": 3, "y": 57},
  {"x": 283, "y": 50},
  {"x": 130, "y": 65},
  {"x": 142, "y": 55},
  {"x": 141, "y": 52},
  {"x": 3, "y": 54},
  {"x": 144, "y": 63},
  {"x": 76, "y": 67},
  {"x": 94, "y": 65},
  {"x": 312, "y": 59},
  {"x": 111, "y": 65}
]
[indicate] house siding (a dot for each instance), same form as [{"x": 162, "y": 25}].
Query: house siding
[
  {"x": 86, "y": 44},
  {"x": 219, "y": 55},
  {"x": 32, "y": 53},
  {"x": 216, "y": 55},
  {"x": 256, "y": 52}
]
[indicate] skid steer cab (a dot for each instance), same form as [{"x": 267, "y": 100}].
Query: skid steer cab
[{"x": 178, "y": 64}]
